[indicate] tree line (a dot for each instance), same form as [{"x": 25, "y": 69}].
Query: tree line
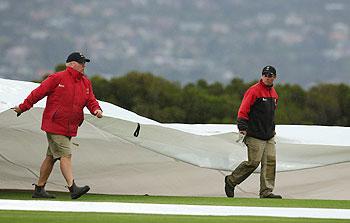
[{"x": 167, "y": 101}]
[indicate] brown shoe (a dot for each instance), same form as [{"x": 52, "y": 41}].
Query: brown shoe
[
  {"x": 40, "y": 192},
  {"x": 229, "y": 190},
  {"x": 76, "y": 192}
]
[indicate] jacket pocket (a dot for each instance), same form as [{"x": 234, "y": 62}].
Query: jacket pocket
[{"x": 60, "y": 117}]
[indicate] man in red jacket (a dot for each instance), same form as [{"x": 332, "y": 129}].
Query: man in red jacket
[
  {"x": 256, "y": 122},
  {"x": 68, "y": 92}
]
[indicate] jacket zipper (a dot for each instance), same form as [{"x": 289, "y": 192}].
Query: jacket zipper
[{"x": 69, "y": 120}]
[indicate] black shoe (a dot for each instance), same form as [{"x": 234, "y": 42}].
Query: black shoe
[
  {"x": 76, "y": 192},
  {"x": 40, "y": 192},
  {"x": 271, "y": 195},
  {"x": 229, "y": 190}
]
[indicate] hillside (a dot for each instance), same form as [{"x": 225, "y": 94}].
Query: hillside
[{"x": 308, "y": 41}]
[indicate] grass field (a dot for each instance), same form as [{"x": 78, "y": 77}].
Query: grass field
[{"x": 35, "y": 216}]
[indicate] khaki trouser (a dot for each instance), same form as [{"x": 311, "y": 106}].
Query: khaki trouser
[
  {"x": 259, "y": 151},
  {"x": 59, "y": 145}
]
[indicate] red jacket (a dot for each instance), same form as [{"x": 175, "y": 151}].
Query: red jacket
[
  {"x": 68, "y": 92},
  {"x": 256, "y": 114}
]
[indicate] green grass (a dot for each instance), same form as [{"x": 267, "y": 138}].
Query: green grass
[
  {"x": 36, "y": 216},
  {"x": 60, "y": 196}
]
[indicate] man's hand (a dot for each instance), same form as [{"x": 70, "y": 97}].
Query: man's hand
[
  {"x": 17, "y": 110},
  {"x": 241, "y": 136},
  {"x": 243, "y": 132},
  {"x": 98, "y": 113}
]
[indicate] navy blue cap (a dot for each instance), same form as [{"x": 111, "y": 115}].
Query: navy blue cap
[
  {"x": 269, "y": 70},
  {"x": 78, "y": 57}
]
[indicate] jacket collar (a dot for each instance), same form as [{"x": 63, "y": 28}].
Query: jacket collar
[
  {"x": 261, "y": 83},
  {"x": 75, "y": 74}
]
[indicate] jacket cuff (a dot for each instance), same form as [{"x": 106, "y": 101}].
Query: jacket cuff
[
  {"x": 242, "y": 124},
  {"x": 22, "y": 107}
]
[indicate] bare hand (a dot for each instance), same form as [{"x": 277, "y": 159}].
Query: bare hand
[
  {"x": 243, "y": 132},
  {"x": 98, "y": 113},
  {"x": 17, "y": 110}
]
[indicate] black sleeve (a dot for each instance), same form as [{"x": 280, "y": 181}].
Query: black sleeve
[{"x": 242, "y": 124}]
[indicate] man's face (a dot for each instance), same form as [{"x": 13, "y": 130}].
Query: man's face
[
  {"x": 268, "y": 78},
  {"x": 79, "y": 66}
]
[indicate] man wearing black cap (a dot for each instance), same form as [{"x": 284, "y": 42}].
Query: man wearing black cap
[
  {"x": 68, "y": 92},
  {"x": 256, "y": 124}
]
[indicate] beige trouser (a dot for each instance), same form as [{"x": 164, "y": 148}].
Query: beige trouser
[
  {"x": 59, "y": 145},
  {"x": 259, "y": 151}
]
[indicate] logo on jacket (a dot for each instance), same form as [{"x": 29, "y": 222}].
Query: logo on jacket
[{"x": 60, "y": 85}]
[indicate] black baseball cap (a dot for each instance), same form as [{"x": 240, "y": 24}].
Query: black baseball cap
[
  {"x": 78, "y": 57},
  {"x": 269, "y": 70}
]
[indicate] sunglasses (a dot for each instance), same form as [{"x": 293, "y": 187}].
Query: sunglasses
[{"x": 269, "y": 75}]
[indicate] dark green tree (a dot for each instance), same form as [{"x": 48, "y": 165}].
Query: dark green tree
[{"x": 201, "y": 102}]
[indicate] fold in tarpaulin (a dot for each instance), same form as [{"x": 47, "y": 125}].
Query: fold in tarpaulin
[{"x": 109, "y": 144}]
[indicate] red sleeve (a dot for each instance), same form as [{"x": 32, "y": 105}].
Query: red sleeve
[
  {"x": 248, "y": 100},
  {"x": 40, "y": 92},
  {"x": 92, "y": 104}
]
